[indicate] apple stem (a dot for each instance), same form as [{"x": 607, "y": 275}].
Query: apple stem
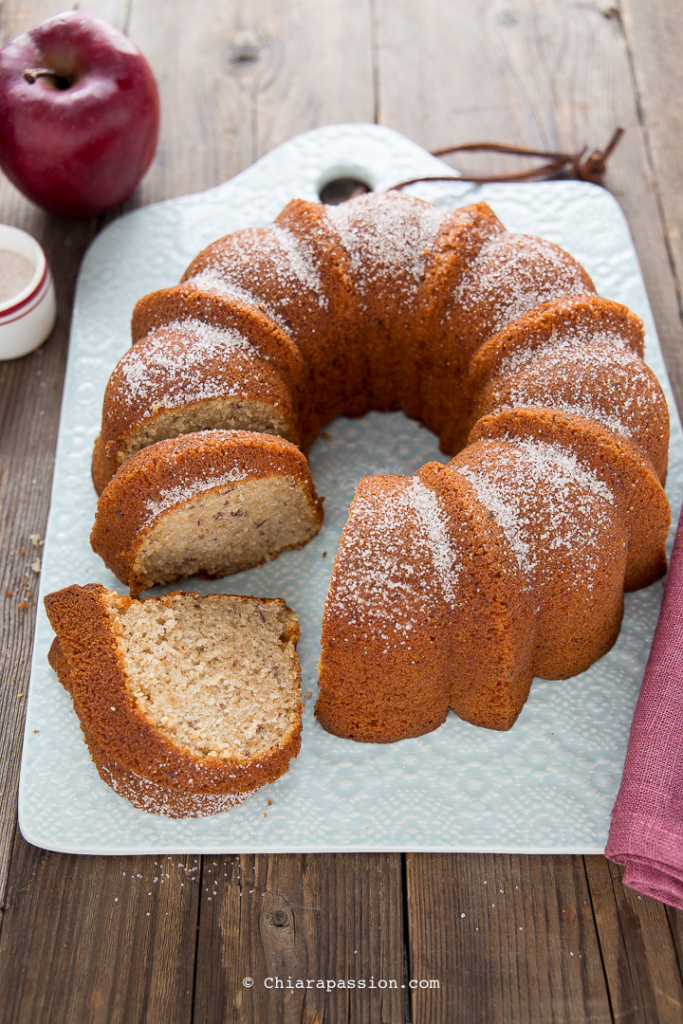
[{"x": 33, "y": 74}]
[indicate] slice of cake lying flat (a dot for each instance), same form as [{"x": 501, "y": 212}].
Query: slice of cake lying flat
[{"x": 187, "y": 704}]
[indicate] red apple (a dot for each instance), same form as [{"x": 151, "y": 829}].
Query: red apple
[{"x": 79, "y": 114}]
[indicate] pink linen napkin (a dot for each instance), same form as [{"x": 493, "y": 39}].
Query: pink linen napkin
[{"x": 646, "y": 834}]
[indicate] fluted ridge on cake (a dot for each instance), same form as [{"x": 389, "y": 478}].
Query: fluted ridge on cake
[
  {"x": 427, "y": 609},
  {"x": 138, "y": 790},
  {"x": 186, "y": 377},
  {"x": 619, "y": 463},
  {"x": 570, "y": 542},
  {"x": 597, "y": 381}
]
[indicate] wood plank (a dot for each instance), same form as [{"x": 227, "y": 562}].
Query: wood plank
[
  {"x": 654, "y": 32},
  {"x": 333, "y": 42},
  {"x": 231, "y": 73},
  {"x": 509, "y": 938},
  {"x": 31, "y": 389},
  {"x": 262, "y": 71},
  {"x": 71, "y": 948},
  {"x": 218, "y": 125},
  {"x": 253, "y": 56},
  {"x": 676, "y": 924},
  {"x": 30, "y": 399},
  {"x": 97, "y": 939},
  {"x": 300, "y": 919},
  {"x": 638, "y": 949}
]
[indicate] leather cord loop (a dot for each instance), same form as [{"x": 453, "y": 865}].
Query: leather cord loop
[{"x": 586, "y": 165}]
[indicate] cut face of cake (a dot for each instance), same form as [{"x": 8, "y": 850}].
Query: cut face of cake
[
  {"x": 210, "y": 503},
  {"x": 187, "y": 703}
]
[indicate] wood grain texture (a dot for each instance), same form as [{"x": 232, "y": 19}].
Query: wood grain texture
[
  {"x": 637, "y": 947},
  {"x": 676, "y": 924},
  {"x": 510, "y": 938},
  {"x": 102, "y": 958},
  {"x": 655, "y": 38},
  {"x": 30, "y": 399},
  {"x": 558, "y": 75},
  {"x": 262, "y": 71},
  {"x": 300, "y": 920},
  {"x": 97, "y": 939}
]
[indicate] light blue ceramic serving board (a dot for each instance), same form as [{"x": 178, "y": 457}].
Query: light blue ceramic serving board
[{"x": 548, "y": 785}]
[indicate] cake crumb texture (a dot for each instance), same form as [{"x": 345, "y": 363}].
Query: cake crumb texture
[{"x": 187, "y": 702}]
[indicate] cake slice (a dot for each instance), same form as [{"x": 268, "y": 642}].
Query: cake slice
[
  {"x": 188, "y": 704},
  {"x": 209, "y": 503},
  {"x": 186, "y": 377}
]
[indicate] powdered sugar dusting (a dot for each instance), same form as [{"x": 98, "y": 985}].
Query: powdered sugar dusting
[
  {"x": 401, "y": 564},
  {"x": 156, "y": 799},
  {"x": 185, "y": 491},
  {"x": 543, "y": 499},
  {"x": 213, "y": 282},
  {"x": 600, "y": 382},
  {"x": 494, "y": 494},
  {"x": 301, "y": 263},
  {"x": 433, "y": 522},
  {"x": 276, "y": 265},
  {"x": 514, "y": 273},
  {"x": 386, "y": 233},
  {"x": 551, "y": 460},
  {"x": 171, "y": 372},
  {"x": 566, "y": 341}
]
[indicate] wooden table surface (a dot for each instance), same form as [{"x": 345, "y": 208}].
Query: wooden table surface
[{"x": 170, "y": 939}]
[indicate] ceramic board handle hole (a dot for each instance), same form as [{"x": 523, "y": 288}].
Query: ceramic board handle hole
[{"x": 341, "y": 189}]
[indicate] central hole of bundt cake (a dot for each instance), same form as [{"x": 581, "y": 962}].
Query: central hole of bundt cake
[
  {"x": 339, "y": 190},
  {"x": 224, "y": 689}
]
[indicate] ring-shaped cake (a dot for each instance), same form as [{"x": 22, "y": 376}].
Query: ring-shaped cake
[{"x": 452, "y": 588}]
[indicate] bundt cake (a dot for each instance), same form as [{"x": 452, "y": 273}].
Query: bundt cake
[
  {"x": 453, "y": 587},
  {"x": 187, "y": 704}
]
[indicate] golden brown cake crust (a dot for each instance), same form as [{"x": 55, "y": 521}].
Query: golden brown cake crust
[
  {"x": 597, "y": 382},
  {"x": 618, "y": 462},
  {"x": 121, "y": 734},
  {"x": 139, "y": 791},
  {"x": 179, "y": 376},
  {"x": 167, "y": 474},
  {"x": 239, "y": 356},
  {"x": 307, "y": 298},
  {"x": 182, "y": 302},
  {"x": 570, "y": 541},
  {"x": 584, "y": 315},
  {"x": 396, "y": 654}
]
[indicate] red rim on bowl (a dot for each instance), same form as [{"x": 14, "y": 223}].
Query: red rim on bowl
[
  {"x": 27, "y": 317},
  {"x": 28, "y": 298}
]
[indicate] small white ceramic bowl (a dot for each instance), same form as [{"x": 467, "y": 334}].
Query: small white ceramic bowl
[{"x": 26, "y": 318}]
